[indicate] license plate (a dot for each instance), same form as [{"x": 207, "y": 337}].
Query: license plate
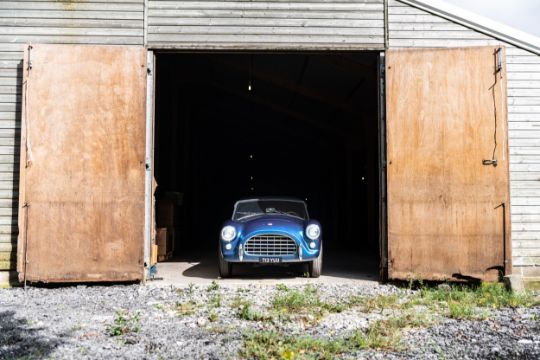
[{"x": 270, "y": 260}]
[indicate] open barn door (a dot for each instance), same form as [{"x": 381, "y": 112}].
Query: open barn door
[
  {"x": 82, "y": 180},
  {"x": 448, "y": 192}
]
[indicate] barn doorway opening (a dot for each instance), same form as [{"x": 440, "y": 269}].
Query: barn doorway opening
[{"x": 231, "y": 126}]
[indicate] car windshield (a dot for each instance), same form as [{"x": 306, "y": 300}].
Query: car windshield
[{"x": 249, "y": 208}]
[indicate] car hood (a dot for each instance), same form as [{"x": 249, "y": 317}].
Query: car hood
[{"x": 273, "y": 222}]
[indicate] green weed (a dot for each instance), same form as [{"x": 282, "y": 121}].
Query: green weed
[
  {"x": 124, "y": 323},
  {"x": 160, "y": 307},
  {"x": 247, "y": 312},
  {"x": 213, "y": 287},
  {"x": 213, "y": 317},
  {"x": 215, "y": 301},
  {"x": 191, "y": 289}
]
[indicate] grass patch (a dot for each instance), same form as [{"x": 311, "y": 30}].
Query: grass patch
[
  {"x": 273, "y": 345},
  {"x": 304, "y": 304},
  {"x": 381, "y": 335},
  {"x": 490, "y": 295},
  {"x": 424, "y": 308},
  {"x": 461, "y": 311},
  {"x": 460, "y": 301},
  {"x": 247, "y": 312},
  {"x": 387, "y": 334},
  {"x": 457, "y": 301},
  {"x": 124, "y": 323},
  {"x": 378, "y": 303},
  {"x": 186, "y": 308},
  {"x": 296, "y": 300}
]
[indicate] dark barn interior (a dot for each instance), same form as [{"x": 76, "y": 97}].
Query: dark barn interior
[{"x": 230, "y": 126}]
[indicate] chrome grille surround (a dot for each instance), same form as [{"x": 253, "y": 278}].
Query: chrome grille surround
[{"x": 270, "y": 245}]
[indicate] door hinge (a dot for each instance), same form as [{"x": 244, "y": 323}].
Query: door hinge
[
  {"x": 29, "y": 57},
  {"x": 498, "y": 62}
]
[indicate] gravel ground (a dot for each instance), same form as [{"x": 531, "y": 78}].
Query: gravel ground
[{"x": 76, "y": 322}]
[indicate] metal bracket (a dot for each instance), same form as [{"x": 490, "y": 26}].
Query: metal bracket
[{"x": 29, "y": 57}]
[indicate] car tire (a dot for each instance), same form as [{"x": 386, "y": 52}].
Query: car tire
[
  {"x": 315, "y": 266},
  {"x": 225, "y": 267}
]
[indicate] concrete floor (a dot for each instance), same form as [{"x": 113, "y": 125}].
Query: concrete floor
[{"x": 201, "y": 269}]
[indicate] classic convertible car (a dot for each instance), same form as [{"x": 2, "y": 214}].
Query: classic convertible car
[{"x": 270, "y": 231}]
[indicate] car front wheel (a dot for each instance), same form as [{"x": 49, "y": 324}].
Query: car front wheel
[
  {"x": 315, "y": 266},
  {"x": 225, "y": 267}
]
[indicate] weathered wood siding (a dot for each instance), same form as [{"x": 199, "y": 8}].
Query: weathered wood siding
[
  {"x": 46, "y": 21},
  {"x": 261, "y": 24},
  {"x": 412, "y": 27}
]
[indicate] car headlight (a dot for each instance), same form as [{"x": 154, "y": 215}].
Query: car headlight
[
  {"x": 313, "y": 231},
  {"x": 228, "y": 233}
]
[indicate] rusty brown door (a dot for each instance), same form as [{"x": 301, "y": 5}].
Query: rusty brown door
[
  {"x": 447, "y": 201},
  {"x": 81, "y": 215}
]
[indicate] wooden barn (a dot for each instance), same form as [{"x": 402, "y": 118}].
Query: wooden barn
[{"x": 411, "y": 127}]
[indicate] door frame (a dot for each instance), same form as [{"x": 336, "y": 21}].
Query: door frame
[
  {"x": 383, "y": 210},
  {"x": 150, "y": 201}
]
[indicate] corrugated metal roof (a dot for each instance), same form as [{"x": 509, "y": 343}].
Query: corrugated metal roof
[{"x": 482, "y": 24}]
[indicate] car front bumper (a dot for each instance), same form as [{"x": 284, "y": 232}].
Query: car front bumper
[{"x": 237, "y": 254}]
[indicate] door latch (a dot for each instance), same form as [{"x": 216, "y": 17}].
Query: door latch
[{"x": 490, "y": 162}]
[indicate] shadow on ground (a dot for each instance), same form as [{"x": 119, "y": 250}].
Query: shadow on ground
[
  {"x": 336, "y": 266},
  {"x": 21, "y": 340}
]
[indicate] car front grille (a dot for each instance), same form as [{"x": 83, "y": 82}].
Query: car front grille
[{"x": 270, "y": 245}]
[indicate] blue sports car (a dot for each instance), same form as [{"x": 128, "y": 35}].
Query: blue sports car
[{"x": 270, "y": 231}]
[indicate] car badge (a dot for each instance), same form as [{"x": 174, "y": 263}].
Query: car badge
[{"x": 270, "y": 224}]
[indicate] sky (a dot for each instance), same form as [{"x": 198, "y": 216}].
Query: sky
[{"x": 520, "y": 14}]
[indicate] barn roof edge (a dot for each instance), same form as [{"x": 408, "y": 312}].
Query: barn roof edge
[{"x": 479, "y": 23}]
